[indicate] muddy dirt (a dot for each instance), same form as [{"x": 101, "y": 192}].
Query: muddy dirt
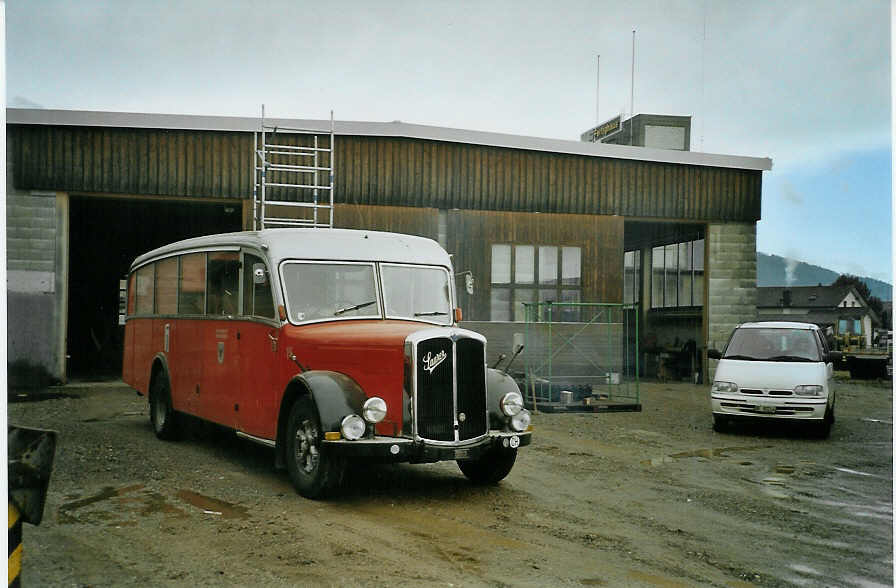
[{"x": 654, "y": 498}]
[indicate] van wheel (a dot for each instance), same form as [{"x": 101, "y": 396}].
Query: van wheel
[
  {"x": 823, "y": 429},
  {"x": 491, "y": 468},
  {"x": 161, "y": 411},
  {"x": 312, "y": 471},
  {"x": 719, "y": 423}
]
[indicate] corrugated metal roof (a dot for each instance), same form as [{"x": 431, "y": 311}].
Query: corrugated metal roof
[{"x": 26, "y": 116}]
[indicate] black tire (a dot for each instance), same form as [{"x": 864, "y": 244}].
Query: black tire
[
  {"x": 313, "y": 473},
  {"x": 491, "y": 468},
  {"x": 822, "y": 430},
  {"x": 161, "y": 412},
  {"x": 719, "y": 423}
]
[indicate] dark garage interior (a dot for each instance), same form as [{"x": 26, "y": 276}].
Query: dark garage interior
[{"x": 106, "y": 234}]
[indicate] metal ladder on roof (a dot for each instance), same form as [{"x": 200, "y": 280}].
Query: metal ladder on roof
[{"x": 293, "y": 185}]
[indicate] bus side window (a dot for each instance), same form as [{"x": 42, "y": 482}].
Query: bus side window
[
  {"x": 132, "y": 294},
  {"x": 145, "y": 287},
  {"x": 223, "y": 283},
  {"x": 257, "y": 297},
  {"x": 166, "y": 286},
  {"x": 191, "y": 295}
]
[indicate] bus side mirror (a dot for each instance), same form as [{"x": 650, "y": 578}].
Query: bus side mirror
[{"x": 259, "y": 276}]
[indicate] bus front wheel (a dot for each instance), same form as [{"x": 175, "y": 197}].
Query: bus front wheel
[{"x": 312, "y": 471}]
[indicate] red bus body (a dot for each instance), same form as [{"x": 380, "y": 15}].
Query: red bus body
[{"x": 227, "y": 328}]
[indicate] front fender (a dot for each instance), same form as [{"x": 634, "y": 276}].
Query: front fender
[
  {"x": 498, "y": 384},
  {"x": 335, "y": 396}
]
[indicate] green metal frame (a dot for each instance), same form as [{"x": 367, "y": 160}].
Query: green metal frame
[{"x": 544, "y": 360}]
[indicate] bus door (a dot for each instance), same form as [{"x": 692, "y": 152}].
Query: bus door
[
  {"x": 259, "y": 348},
  {"x": 221, "y": 340}
]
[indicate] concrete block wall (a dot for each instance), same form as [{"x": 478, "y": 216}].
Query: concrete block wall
[
  {"x": 35, "y": 284},
  {"x": 731, "y": 282}
]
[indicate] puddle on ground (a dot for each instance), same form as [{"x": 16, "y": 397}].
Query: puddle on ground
[
  {"x": 655, "y": 580},
  {"x": 706, "y": 453},
  {"x": 105, "y": 494},
  {"x": 213, "y": 506},
  {"x": 135, "y": 501},
  {"x": 37, "y": 396}
]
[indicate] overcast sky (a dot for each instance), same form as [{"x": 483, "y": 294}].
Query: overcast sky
[{"x": 804, "y": 83}]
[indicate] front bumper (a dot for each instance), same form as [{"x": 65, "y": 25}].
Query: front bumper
[
  {"x": 785, "y": 407},
  {"x": 401, "y": 449}
]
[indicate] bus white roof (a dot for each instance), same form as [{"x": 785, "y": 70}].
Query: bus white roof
[{"x": 317, "y": 244}]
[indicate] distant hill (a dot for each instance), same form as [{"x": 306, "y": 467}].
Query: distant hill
[{"x": 773, "y": 270}]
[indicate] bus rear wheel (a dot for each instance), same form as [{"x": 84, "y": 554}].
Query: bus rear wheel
[
  {"x": 161, "y": 411},
  {"x": 312, "y": 471}
]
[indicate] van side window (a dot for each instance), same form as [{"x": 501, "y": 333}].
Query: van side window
[
  {"x": 257, "y": 297},
  {"x": 166, "y": 286},
  {"x": 145, "y": 287},
  {"x": 223, "y": 283},
  {"x": 191, "y": 296}
]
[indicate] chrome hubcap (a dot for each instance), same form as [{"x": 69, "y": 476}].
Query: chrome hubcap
[{"x": 307, "y": 452}]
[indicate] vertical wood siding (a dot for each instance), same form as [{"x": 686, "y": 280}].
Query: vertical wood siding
[{"x": 383, "y": 171}]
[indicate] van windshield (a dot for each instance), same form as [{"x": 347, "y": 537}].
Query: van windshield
[{"x": 773, "y": 344}]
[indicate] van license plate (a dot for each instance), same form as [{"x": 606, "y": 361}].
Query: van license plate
[{"x": 766, "y": 409}]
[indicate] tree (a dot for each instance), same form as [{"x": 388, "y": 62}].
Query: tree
[{"x": 861, "y": 287}]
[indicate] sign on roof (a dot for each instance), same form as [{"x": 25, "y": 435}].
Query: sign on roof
[{"x": 603, "y": 130}]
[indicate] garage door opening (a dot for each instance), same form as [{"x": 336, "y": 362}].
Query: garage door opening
[{"x": 105, "y": 236}]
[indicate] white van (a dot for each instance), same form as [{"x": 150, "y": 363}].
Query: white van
[{"x": 775, "y": 370}]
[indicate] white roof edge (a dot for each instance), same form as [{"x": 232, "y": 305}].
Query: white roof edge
[{"x": 87, "y": 118}]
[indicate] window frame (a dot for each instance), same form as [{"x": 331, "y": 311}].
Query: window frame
[{"x": 540, "y": 283}]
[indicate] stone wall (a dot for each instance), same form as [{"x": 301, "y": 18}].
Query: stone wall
[{"x": 731, "y": 278}]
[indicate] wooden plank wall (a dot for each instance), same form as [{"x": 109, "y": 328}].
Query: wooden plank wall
[
  {"x": 472, "y": 233},
  {"x": 383, "y": 171}
]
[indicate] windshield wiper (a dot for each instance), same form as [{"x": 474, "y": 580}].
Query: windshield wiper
[
  {"x": 789, "y": 358},
  {"x": 432, "y": 313},
  {"x": 743, "y": 357},
  {"x": 355, "y": 307}
]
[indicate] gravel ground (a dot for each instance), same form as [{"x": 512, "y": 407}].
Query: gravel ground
[{"x": 651, "y": 498}]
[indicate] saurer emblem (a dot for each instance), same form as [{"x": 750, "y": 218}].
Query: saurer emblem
[{"x": 431, "y": 362}]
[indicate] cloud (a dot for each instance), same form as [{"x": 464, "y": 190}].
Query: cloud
[
  {"x": 790, "y": 194},
  {"x": 22, "y": 102}
]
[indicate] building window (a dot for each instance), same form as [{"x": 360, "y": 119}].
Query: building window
[
  {"x": 534, "y": 273},
  {"x": 677, "y": 275},
  {"x": 632, "y": 277}
]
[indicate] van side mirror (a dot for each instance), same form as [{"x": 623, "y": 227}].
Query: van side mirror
[
  {"x": 713, "y": 354},
  {"x": 833, "y": 356}
]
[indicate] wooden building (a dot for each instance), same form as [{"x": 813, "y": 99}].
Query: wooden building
[{"x": 531, "y": 219}]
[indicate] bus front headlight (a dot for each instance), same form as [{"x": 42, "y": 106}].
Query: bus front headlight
[
  {"x": 353, "y": 427},
  {"x": 374, "y": 410}
]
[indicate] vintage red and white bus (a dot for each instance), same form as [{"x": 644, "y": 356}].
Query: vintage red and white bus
[{"x": 328, "y": 345}]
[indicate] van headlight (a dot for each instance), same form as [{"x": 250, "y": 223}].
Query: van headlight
[
  {"x": 353, "y": 427},
  {"x": 374, "y": 410},
  {"x": 809, "y": 390},
  {"x": 511, "y": 403},
  {"x": 724, "y": 387},
  {"x": 520, "y": 421}
]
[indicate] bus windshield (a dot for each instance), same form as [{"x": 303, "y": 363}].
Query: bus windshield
[
  {"x": 317, "y": 291},
  {"x": 417, "y": 292}
]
